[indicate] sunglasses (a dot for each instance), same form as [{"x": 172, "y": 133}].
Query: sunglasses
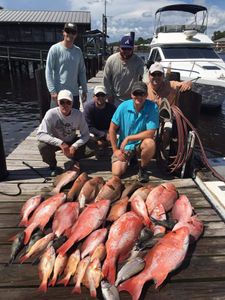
[
  {"x": 62, "y": 102},
  {"x": 156, "y": 74},
  {"x": 100, "y": 95},
  {"x": 69, "y": 31},
  {"x": 139, "y": 93}
]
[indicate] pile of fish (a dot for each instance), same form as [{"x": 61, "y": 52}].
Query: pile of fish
[{"x": 103, "y": 234}]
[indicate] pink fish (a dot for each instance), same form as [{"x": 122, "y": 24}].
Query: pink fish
[
  {"x": 90, "y": 190},
  {"x": 99, "y": 252},
  {"x": 122, "y": 237},
  {"x": 42, "y": 214},
  {"x": 66, "y": 177},
  {"x": 77, "y": 186},
  {"x": 79, "y": 274},
  {"x": 45, "y": 268},
  {"x": 142, "y": 192},
  {"x": 164, "y": 194},
  {"x": 111, "y": 190},
  {"x": 194, "y": 225},
  {"x": 139, "y": 207},
  {"x": 118, "y": 209},
  {"x": 59, "y": 266},
  {"x": 92, "y": 241},
  {"x": 64, "y": 217},
  {"x": 182, "y": 209},
  {"x": 29, "y": 206},
  {"x": 90, "y": 219},
  {"x": 71, "y": 267},
  {"x": 166, "y": 256}
]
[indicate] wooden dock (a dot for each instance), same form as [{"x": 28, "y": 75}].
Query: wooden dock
[{"x": 201, "y": 276}]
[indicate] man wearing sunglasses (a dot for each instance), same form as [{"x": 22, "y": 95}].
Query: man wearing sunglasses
[
  {"x": 121, "y": 70},
  {"x": 65, "y": 68},
  {"x": 58, "y": 130},
  {"x": 98, "y": 114},
  {"x": 159, "y": 87},
  {"x": 135, "y": 121}
]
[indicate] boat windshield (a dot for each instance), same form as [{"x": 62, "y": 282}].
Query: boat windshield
[{"x": 188, "y": 52}]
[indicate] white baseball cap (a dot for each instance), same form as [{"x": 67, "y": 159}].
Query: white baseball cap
[
  {"x": 156, "y": 67},
  {"x": 99, "y": 89},
  {"x": 65, "y": 94}
]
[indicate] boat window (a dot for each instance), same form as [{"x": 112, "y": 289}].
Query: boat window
[
  {"x": 155, "y": 55},
  {"x": 188, "y": 52}
]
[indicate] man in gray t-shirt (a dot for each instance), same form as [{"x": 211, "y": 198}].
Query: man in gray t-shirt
[
  {"x": 121, "y": 70},
  {"x": 58, "y": 130}
]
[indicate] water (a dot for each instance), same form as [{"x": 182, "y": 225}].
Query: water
[{"x": 19, "y": 116}]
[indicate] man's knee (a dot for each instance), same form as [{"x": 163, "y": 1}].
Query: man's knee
[{"x": 148, "y": 144}]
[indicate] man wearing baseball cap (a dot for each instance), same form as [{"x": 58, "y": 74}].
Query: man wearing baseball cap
[
  {"x": 58, "y": 130},
  {"x": 65, "y": 67},
  {"x": 121, "y": 70},
  {"x": 98, "y": 114},
  {"x": 135, "y": 121}
]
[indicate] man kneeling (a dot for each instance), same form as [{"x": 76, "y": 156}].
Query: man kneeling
[{"x": 135, "y": 121}]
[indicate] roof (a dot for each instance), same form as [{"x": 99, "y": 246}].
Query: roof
[
  {"x": 220, "y": 40},
  {"x": 191, "y": 8},
  {"x": 44, "y": 16}
]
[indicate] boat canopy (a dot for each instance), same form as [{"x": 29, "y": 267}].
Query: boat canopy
[{"x": 191, "y": 8}]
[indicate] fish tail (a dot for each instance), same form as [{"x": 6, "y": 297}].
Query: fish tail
[
  {"x": 12, "y": 238},
  {"x": 160, "y": 279},
  {"x": 109, "y": 270},
  {"x": 23, "y": 258},
  {"x": 53, "y": 281},
  {"x": 55, "y": 191},
  {"x": 65, "y": 280},
  {"x": 133, "y": 286},
  {"x": 77, "y": 288},
  {"x": 66, "y": 246},
  {"x": 43, "y": 286},
  {"x": 23, "y": 223},
  {"x": 27, "y": 233}
]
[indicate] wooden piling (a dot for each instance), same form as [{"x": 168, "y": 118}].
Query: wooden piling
[
  {"x": 42, "y": 92},
  {"x": 3, "y": 169}
]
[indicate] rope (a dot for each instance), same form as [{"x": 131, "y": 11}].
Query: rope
[{"x": 184, "y": 150}]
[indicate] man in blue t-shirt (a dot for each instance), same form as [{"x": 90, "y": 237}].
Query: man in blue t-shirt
[{"x": 135, "y": 121}]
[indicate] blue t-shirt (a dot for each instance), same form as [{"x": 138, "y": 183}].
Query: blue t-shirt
[{"x": 131, "y": 122}]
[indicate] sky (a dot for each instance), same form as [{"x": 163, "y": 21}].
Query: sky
[{"x": 123, "y": 16}]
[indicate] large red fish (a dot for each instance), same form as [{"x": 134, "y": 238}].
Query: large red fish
[
  {"x": 164, "y": 257},
  {"x": 77, "y": 186},
  {"x": 42, "y": 214},
  {"x": 90, "y": 219},
  {"x": 142, "y": 192},
  {"x": 122, "y": 237},
  {"x": 164, "y": 194},
  {"x": 64, "y": 217},
  {"x": 139, "y": 207}
]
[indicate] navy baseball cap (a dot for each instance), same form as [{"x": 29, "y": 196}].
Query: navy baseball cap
[{"x": 126, "y": 42}]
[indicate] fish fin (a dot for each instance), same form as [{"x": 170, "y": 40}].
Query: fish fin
[
  {"x": 133, "y": 286},
  {"x": 66, "y": 246},
  {"x": 43, "y": 287},
  {"x": 28, "y": 231},
  {"x": 65, "y": 280},
  {"x": 160, "y": 278},
  {"x": 12, "y": 238},
  {"x": 53, "y": 281},
  {"x": 109, "y": 270}
]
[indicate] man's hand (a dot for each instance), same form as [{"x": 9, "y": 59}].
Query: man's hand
[
  {"x": 124, "y": 143},
  {"x": 65, "y": 149},
  {"x": 54, "y": 96},
  {"x": 84, "y": 97},
  {"x": 186, "y": 86},
  {"x": 120, "y": 154},
  {"x": 72, "y": 151}
]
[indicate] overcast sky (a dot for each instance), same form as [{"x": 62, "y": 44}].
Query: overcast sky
[{"x": 123, "y": 15}]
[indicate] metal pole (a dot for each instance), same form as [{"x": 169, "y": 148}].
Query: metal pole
[{"x": 3, "y": 170}]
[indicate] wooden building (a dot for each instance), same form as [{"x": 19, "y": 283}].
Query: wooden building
[{"x": 39, "y": 28}]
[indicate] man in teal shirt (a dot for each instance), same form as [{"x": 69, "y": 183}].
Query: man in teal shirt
[{"x": 135, "y": 121}]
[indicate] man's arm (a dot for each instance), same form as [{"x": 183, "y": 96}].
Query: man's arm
[
  {"x": 84, "y": 133},
  {"x": 113, "y": 140},
  {"x": 82, "y": 78},
  {"x": 107, "y": 81}
]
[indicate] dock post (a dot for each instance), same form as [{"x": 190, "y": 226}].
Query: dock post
[
  {"x": 42, "y": 92},
  {"x": 3, "y": 170}
]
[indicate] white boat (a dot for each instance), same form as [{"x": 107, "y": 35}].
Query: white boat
[{"x": 180, "y": 43}]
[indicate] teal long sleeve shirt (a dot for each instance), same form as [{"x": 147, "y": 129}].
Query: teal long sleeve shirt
[{"x": 65, "y": 69}]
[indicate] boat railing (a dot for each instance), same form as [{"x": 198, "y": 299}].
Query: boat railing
[{"x": 180, "y": 28}]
